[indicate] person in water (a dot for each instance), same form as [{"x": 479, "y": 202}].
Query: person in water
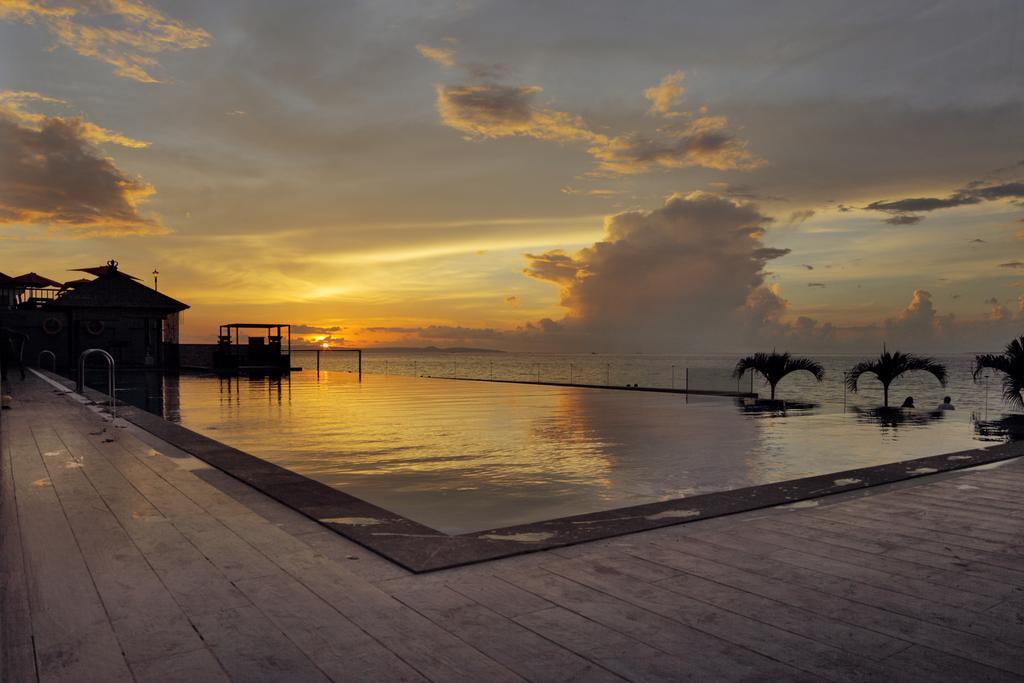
[
  {"x": 947, "y": 404},
  {"x": 908, "y": 402}
]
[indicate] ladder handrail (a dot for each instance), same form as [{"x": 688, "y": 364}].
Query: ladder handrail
[
  {"x": 51, "y": 354},
  {"x": 110, "y": 377}
]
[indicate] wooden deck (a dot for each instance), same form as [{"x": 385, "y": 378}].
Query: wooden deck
[{"x": 124, "y": 559}]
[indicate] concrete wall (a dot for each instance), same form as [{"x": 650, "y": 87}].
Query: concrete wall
[{"x": 196, "y": 355}]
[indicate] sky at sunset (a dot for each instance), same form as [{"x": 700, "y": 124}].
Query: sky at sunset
[{"x": 551, "y": 176}]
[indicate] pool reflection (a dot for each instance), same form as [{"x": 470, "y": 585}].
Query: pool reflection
[{"x": 465, "y": 456}]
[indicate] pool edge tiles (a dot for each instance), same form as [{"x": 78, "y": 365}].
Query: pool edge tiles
[{"x": 419, "y": 548}]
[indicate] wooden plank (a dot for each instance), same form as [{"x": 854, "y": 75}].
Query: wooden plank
[
  {"x": 898, "y": 626},
  {"x": 147, "y": 620},
  {"x": 707, "y": 657},
  {"x": 503, "y": 640},
  {"x": 74, "y": 639},
  {"x": 620, "y": 654},
  {"x": 422, "y": 644},
  {"x": 249, "y": 651},
  {"x": 789, "y": 544},
  {"x": 770, "y": 641},
  {"x": 337, "y": 646},
  {"x": 942, "y": 666},
  {"x": 196, "y": 584},
  {"x": 886, "y": 597},
  {"x": 907, "y": 524},
  {"x": 847, "y": 525},
  {"x": 780, "y": 609},
  {"x": 838, "y": 567},
  {"x": 198, "y": 666},
  {"x": 498, "y": 595},
  {"x": 17, "y": 657},
  {"x": 949, "y": 518}
]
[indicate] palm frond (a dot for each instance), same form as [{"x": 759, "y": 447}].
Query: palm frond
[
  {"x": 811, "y": 366},
  {"x": 869, "y": 367},
  {"x": 990, "y": 361},
  {"x": 929, "y": 365},
  {"x": 1011, "y": 364}
]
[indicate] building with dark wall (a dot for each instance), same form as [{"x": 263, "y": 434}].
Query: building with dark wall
[{"x": 135, "y": 324}]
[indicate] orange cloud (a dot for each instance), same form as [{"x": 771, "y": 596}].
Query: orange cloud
[
  {"x": 494, "y": 111},
  {"x": 666, "y": 94},
  {"x": 123, "y": 33},
  {"x": 445, "y": 56},
  {"x": 703, "y": 141},
  {"x": 490, "y": 110},
  {"x": 53, "y": 173}
]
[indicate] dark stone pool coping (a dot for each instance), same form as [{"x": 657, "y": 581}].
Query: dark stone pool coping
[{"x": 420, "y": 548}]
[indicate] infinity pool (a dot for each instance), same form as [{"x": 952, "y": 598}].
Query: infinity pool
[{"x": 464, "y": 456}]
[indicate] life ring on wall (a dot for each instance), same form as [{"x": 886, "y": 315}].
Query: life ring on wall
[
  {"x": 94, "y": 327},
  {"x": 52, "y": 326}
]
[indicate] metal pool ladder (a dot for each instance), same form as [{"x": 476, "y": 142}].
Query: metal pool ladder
[
  {"x": 52, "y": 356},
  {"x": 80, "y": 386}
]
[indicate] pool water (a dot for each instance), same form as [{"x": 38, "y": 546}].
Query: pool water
[{"x": 463, "y": 456}]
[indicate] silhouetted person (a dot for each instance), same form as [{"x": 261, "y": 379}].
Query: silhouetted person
[
  {"x": 908, "y": 402},
  {"x": 947, "y": 404}
]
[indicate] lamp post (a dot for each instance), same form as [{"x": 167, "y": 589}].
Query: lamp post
[{"x": 156, "y": 275}]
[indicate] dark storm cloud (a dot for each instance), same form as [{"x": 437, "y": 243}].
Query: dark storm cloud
[
  {"x": 903, "y": 210},
  {"x": 768, "y": 253},
  {"x": 903, "y": 219}
]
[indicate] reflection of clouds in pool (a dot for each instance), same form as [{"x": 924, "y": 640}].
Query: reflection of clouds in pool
[{"x": 468, "y": 456}]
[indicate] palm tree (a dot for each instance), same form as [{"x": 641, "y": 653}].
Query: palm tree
[
  {"x": 889, "y": 366},
  {"x": 1011, "y": 364},
  {"x": 774, "y": 366}
]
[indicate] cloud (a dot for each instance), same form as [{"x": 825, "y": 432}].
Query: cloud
[
  {"x": 977, "y": 240},
  {"x": 595, "y": 192},
  {"x": 490, "y": 110},
  {"x": 903, "y": 219},
  {"x": 688, "y": 273},
  {"x": 903, "y": 210},
  {"x": 54, "y": 174},
  {"x": 512, "y": 300},
  {"x": 667, "y": 94},
  {"x": 447, "y": 333},
  {"x": 918, "y": 322},
  {"x": 126, "y": 34},
  {"x": 703, "y": 141},
  {"x": 815, "y": 284},
  {"x": 14, "y": 104},
  {"x": 314, "y": 329},
  {"x": 807, "y": 266},
  {"x": 798, "y": 217},
  {"x": 768, "y": 253},
  {"x": 445, "y": 56},
  {"x": 494, "y": 111},
  {"x": 1012, "y": 264}
]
